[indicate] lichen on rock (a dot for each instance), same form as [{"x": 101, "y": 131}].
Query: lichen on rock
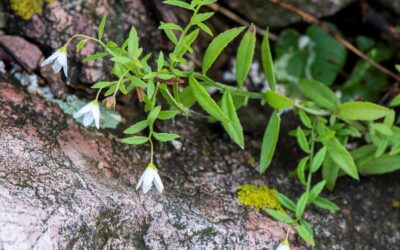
[{"x": 27, "y": 8}]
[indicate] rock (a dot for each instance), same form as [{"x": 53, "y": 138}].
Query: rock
[
  {"x": 264, "y": 14},
  {"x": 63, "y": 186},
  {"x": 25, "y": 53}
]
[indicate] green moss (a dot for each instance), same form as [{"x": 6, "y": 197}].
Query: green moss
[
  {"x": 259, "y": 197},
  {"x": 27, "y": 8}
]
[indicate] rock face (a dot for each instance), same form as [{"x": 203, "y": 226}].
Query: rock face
[
  {"x": 66, "y": 187},
  {"x": 266, "y": 14}
]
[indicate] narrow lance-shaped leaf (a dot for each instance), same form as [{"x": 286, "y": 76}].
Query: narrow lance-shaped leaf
[
  {"x": 267, "y": 63},
  {"x": 301, "y": 205},
  {"x": 302, "y": 140},
  {"x": 137, "y": 127},
  {"x": 319, "y": 93},
  {"x": 341, "y": 157},
  {"x": 205, "y": 100},
  {"x": 245, "y": 55},
  {"x": 165, "y": 137},
  {"x": 100, "y": 31},
  {"x": 217, "y": 45},
  {"x": 363, "y": 111},
  {"x": 278, "y": 101},
  {"x": 133, "y": 42},
  {"x": 233, "y": 128},
  {"x": 269, "y": 141}
]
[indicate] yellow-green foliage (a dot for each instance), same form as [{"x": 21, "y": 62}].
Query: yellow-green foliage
[
  {"x": 27, "y": 8},
  {"x": 259, "y": 197}
]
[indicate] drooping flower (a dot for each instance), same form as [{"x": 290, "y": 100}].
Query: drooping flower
[
  {"x": 59, "y": 60},
  {"x": 149, "y": 177},
  {"x": 284, "y": 245},
  {"x": 90, "y": 113}
]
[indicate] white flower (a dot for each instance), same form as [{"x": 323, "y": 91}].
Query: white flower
[
  {"x": 284, "y": 245},
  {"x": 303, "y": 41},
  {"x": 59, "y": 60},
  {"x": 149, "y": 176},
  {"x": 91, "y": 113}
]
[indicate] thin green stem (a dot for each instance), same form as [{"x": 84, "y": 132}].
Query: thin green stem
[
  {"x": 119, "y": 82},
  {"x": 233, "y": 90},
  {"x": 98, "y": 93}
]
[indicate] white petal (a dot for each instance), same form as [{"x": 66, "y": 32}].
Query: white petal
[
  {"x": 158, "y": 183},
  {"x": 96, "y": 115},
  {"x": 62, "y": 58},
  {"x": 87, "y": 108},
  {"x": 148, "y": 179},
  {"x": 88, "y": 119},
  {"x": 50, "y": 59},
  {"x": 283, "y": 247},
  {"x": 65, "y": 68},
  {"x": 56, "y": 66},
  {"x": 140, "y": 181}
]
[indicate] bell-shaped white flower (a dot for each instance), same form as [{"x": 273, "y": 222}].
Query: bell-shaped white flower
[
  {"x": 284, "y": 245},
  {"x": 149, "y": 177},
  {"x": 59, "y": 60},
  {"x": 90, "y": 113}
]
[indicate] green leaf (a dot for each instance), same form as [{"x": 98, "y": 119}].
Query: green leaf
[
  {"x": 169, "y": 26},
  {"x": 95, "y": 56},
  {"x": 178, "y": 3},
  {"x": 363, "y": 111},
  {"x": 245, "y": 54},
  {"x": 278, "y": 101},
  {"x": 153, "y": 115},
  {"x": 205, "y": 28},
  {"x": 136, "y": 140},
  {"x": 233, "y": 127},
  {"x": 382, "y": 128},
  {"x": 318, "y": 160},
  {"x": 165, "y": 137},
  {"x": 279, "y": 216},
  {"x": 186, "y": 97},
  {"x": 305, "y": 234},
  {"x": 205, "y": 100},
  {"x": 160, "y": 61},
  {"x": 270, "y": 139},
  {"x": 133, "y": 42},
  {"x": 341, "y": 157},
  {"x": 302, "y": 140},
  {"x": 185, "y": 44},
  {"x": 301, "y": 205},
  {"x": 217, "y": 45},
  {"x": 330, "y": 55},
  {"x": 305, "y": 119},
  {"x": 121, "y": 59},
  {"x": 325, "y": 204},
  {"x": 300, "y": 170},
  {"x": 171, "y": 100},
  {"x": 167, "y": 114},
  {"x": 201, "y": 17},
  {"x": 316, "y": 190},
  {"x": 395, "y": 101},
  {"x": 320, "y": 94},
  {"x": 137, "y": 127},
  {"x": 266, "y": 59},
  {"x": 381, "y": 165},
  {"x": 286, "y": 202},
  {"x": 100, "y": 31},
  {"x": 171, "y": 36},
  {"x": 330, "y": 172},
  {"x": 100, "y": 85},
  {"x": 80, "y": 45}
]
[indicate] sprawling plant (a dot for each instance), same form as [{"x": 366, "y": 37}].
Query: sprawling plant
[{"x": 327, "y": 125}]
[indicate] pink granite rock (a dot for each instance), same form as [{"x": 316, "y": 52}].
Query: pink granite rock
[{"x": 25, "y": 53}]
